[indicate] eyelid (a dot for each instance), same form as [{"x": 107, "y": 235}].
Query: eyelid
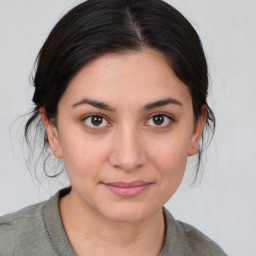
[{"x": 162, "y": 113}]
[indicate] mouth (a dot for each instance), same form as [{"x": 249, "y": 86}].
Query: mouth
[{"x": 127, "y": 189}]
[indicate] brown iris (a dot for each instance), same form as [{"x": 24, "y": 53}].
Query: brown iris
[
  {"x": 96, "y": 120},
  {"x": 158, "y": 120}
]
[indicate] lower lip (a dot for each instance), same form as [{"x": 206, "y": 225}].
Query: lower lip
[{"x": 127, "y": 191}]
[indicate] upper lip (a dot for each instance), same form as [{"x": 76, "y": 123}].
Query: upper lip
[{"x": 128, "y": 184}]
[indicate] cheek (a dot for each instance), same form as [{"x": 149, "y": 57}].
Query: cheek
[
  {"x": 169, "y": 159},
  {"x": 171, "y": 152},
  {"x": 82, "y": 157}
]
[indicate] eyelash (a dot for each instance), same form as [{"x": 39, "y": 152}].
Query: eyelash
[{"x": 171, "y": 120}]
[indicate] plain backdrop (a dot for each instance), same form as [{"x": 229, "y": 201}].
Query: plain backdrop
[{"x": 223, "y": 206}]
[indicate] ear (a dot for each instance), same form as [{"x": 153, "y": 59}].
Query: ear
[
  {"x": 197, "y": 132},
  {"x": 52, "y": 133}
]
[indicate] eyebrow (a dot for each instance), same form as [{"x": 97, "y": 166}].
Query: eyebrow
[
  {"x": 94, "y": 103},
  {"x": 161, "y": 103},
  {"x": 149, "y": 106}
]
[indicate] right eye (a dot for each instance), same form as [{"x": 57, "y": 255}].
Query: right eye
[{"x": 94, "y": 121}]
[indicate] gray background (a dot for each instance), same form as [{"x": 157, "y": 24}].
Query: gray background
[{"x": 224, "y": 205}]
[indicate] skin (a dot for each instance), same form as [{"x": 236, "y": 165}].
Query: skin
[{"x": 128, "y": 145}]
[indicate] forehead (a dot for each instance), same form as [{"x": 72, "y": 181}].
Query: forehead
[{"x": 132, "y": 77}]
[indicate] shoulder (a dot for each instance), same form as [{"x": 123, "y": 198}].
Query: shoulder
[
  {"x": 22, "y": 215},
  {"x": 23, "y": 225},
  {"x": 199, "y": 243},
  {"x": 35, "y": 230},
  {"x": 190, "y": 239}
]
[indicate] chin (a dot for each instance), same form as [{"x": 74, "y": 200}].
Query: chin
[{"x": 127, "y": 213}]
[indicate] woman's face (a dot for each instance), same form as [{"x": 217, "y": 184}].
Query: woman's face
[{"x": 124, "y": 129}]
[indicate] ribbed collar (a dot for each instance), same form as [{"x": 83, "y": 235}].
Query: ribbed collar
[
  {"x": 54, "y": 225},
  {"x": 175, "y": 240}
]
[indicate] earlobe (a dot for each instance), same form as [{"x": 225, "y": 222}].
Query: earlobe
[
  {"x": 197, "y": 132},
  {"x": 52, "y": 133}
]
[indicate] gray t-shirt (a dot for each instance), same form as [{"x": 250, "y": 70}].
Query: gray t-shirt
[{"x": 38, "y": 231}]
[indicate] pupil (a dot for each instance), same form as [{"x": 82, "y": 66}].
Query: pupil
[
  {"x": 96, "y": 120},
  {"x": 158, "y": 120}
]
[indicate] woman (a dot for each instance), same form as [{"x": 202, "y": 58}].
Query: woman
[{"x": 120, "y": 91}]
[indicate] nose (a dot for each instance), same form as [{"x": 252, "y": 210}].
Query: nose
[{"x": 128, "y": 150}]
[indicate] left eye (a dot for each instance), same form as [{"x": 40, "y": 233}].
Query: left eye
[
  {"x": 159, "y": 120},
  {"x": 96, "y": 121}
]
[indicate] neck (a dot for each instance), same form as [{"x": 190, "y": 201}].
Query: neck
[{"x": 144, "y": 237}]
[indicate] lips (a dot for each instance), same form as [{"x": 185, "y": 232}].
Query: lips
[{"x": 127, "y": 189}]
